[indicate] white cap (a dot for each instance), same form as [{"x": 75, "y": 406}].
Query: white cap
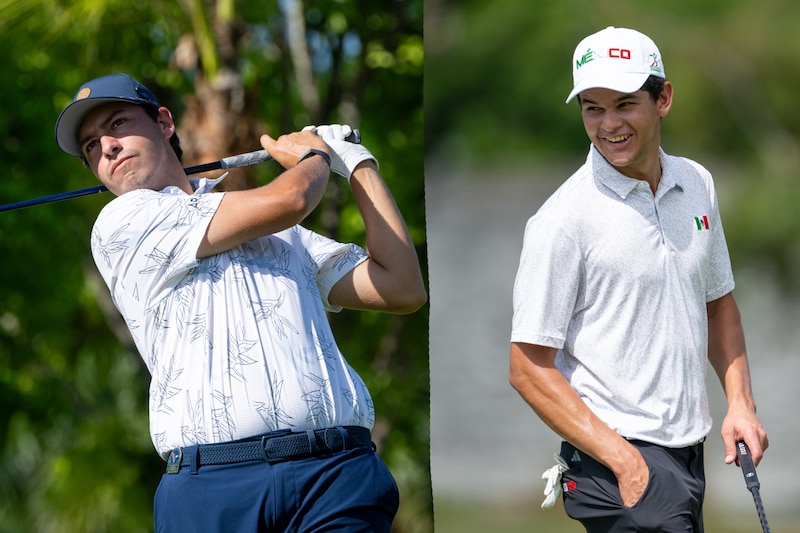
[{"x": 619, "y": 59}]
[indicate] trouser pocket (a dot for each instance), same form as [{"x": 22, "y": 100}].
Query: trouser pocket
[
  {"x": 591, "y": 492},
  {"x": 671, "y": 502}
]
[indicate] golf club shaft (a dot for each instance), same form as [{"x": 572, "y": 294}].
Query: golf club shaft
[
  {"x": 234, "y": 161},
  {"x": 751, "y": 481}
]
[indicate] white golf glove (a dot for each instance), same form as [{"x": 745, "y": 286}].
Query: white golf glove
[
  {"x": 345, "y": 155},
  {"x": 552, "y": 482}
]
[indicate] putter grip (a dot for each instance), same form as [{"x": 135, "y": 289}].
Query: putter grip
[
  {"x": 259, "y": 156},
  {"x": 748, "y": 467}
]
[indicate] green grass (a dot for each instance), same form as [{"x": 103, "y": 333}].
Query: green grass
[
  {"x": 464, "y": 517},
  {"x": 472, "y": 517}
]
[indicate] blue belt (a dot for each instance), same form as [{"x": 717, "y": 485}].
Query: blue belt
[{"x": 272, "y": 447}]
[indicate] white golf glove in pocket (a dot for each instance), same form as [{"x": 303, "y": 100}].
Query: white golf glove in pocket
[{"x": 552, "y": 482}]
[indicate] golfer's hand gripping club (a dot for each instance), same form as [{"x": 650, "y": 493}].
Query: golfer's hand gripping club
[
  {"x": 346, "y": 147},
  {"x": 748, "y": 467},
  {"x": 258, "y": 156}
]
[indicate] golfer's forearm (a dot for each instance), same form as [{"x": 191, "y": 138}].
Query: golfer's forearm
[
  {"x": 389, "y": 241},
  {"x": 727, "y": 352},
  {"x": 278, "y": 205},
  {"x": 734, "y": 375},
  {"x": 544, "y": 388}
]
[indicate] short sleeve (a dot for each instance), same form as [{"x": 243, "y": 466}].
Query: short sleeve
[
  {"x": 332, "y": 260},
  {"x": 149, "y": 240},
  {"x": 548, "y": 279},
  {"x": 720, "y": 272}
]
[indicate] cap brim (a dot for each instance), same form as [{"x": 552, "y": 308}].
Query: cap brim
[
  {"x": 70, "y": 119},
  {"x": 624, "y": 83}
]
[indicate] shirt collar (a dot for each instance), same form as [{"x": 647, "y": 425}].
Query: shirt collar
[
  {"x": 203, "y": 185},
  {"x": 199, "y": 186},
  {"x": 623, "y": 185}
]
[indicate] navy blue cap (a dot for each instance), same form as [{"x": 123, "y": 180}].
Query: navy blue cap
[{"x": 111, "y": 88}]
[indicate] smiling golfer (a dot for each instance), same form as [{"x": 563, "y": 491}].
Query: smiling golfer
[
  {"x": 623, "y": 294},
  {"x": 263, "y": 424}
]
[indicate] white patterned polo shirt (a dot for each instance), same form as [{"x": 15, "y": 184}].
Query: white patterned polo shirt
[{"x": 237, "y": 344}]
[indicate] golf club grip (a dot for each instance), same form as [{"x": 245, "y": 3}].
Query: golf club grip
[
  {"x": 251, "y": 158},
  {"x": 243, "y": 160},
  {"x": 748, "y": 467},
  {"x": 354, "y": 137}
]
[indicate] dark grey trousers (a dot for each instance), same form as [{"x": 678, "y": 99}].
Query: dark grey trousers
[{"x": 671, "y": 503}]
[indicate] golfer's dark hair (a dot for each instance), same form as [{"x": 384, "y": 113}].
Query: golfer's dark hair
[
  {"x": 152, "y": 112},
  {"x": 654, "y": 85}
]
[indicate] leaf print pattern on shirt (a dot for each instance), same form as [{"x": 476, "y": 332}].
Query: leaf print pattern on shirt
[
  {"x": 212, "y": 269},
  {"x": 273, "y": 415},
  {"x": 318, "y": 402},
  {"x": 199, "y": 330},
  {"x": 162, "y": 261},
  {"x": 191, "y": 209},
  {"x": 327, "y": 351},
  {"x": 222, "y": 418},
  {"x": 194, "y": 433},
  {"x": 347, "y": 259},
  {"x": 183, "y": 296},
  {"x": 164, "y": 390},
  {"x": 237, "y": 346},
  {"x": 310, "y": 273},
  {"x": 352, "y": 399},
  {"x": 267, "y": 310},
  {"x": 114, "y": 245},
  {"x": 280, "y": 267}
]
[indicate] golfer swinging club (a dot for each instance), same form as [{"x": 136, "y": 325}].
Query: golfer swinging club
[
  {"x": 623, "y": 293},
  {"x": 263, "y": 424}
]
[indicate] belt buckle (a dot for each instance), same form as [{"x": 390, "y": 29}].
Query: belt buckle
[
  {"x": 269, "y": 436},
  {"x": 174, "y": 461},
  {"x": 335, "y": 439}
]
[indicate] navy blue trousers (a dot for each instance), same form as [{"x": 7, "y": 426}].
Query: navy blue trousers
[
  {"x": 349, "y": 491},
  {"x": 672, "y": 501}
]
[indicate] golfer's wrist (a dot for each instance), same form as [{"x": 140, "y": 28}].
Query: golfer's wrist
[{"x": 312, "y": 152}]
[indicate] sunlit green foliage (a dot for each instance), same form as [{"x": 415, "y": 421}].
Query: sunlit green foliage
[
  {"x": 497, "y": 74},
  {"x": 75, "y": 453}
]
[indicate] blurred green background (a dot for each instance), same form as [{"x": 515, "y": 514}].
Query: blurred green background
[
  {"x": 499, "y": 139},
  {"x": 497, "y": 75},
  {"x": 75, "y": 452}
]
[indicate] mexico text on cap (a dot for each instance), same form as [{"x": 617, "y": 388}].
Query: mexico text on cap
[{"x": 619, "y": 59}]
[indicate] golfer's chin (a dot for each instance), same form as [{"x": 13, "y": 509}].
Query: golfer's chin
[{"x": 119, "y": 187}]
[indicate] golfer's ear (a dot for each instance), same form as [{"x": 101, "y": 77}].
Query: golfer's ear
[
  {"x": 166, "y": 122},
  {"x": 664, "y": 102}
]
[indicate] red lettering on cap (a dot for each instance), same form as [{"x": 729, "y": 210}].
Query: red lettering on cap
[{"x": 619, "y": 53}]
